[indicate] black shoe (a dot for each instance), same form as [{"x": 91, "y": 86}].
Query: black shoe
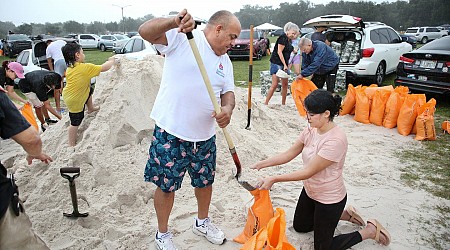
[
  {"x": 43, "y": 128},
  {"x": 50, "y": 121}
]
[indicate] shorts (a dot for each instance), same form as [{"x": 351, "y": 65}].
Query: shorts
[
  {"x": 77, "y": 118},
  {"x": 275, "y": 67},
  {"x": 32, "y": 97},
  {"x": 60, "y": 67},
  {"x": 170, "y": 157},
  {"x": 16, "y": 232},
  {"x": 295, "y": 58}
]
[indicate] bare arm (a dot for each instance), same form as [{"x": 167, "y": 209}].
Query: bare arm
[
  {"x": 282, "y": 158},
  {"x": 51, "y": 109},
  {"x": 280, "y": 54},
  {"x": 108, "y": 64},
  {"x": 155, "y": 30},
  {"x": 50, "y": 63},
  {"x": 228, "y": 102},
  {"x": 14, "y": 95},
  {"x": 32, "y": 144}
]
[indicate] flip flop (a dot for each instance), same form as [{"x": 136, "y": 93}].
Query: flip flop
[
  {"x": 380, "y": 229},
  {"x": 354, "y": 216}
]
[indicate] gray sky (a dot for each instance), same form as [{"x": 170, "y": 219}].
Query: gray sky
[{"x": 86, "y": 11}]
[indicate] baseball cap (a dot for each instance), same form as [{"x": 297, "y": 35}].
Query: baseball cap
[{"x": 17, "y": 68}]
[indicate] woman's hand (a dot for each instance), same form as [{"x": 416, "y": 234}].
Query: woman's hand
[
  {"x": 257, "y": 166},
  {"x": 266, "y": 183}
]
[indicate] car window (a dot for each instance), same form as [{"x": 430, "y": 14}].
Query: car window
[
  {"x": 433, "y": 30},
  {"x": 384, "y": 36},
  {"x": 245, "y": 34},
  {"x": 411, "y": 30},
  {"x": 421, "y": 30},
  {"x": 394, "y": 38},
  {"x": 121, "y": 37},
  {"x": 20, "y": 59},
  {"x": 128, "y": 47},
  {"x": 138, "y": 45},
  {"x": 88, "y": 37},
  {"x": 374, "y": 37},
  {"x": 439, "y": 44}
]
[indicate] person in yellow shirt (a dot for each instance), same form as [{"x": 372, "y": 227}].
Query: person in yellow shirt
[{"x": 78, "y": 90}]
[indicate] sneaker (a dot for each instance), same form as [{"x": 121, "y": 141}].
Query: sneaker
[
  {"x": 210, "y": 231},
  {"x": 44, "y": 127},
  {"x": 164, "y": 242},
  {"x": 50, "y": 121}
]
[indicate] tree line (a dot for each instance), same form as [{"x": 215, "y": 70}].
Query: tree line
[{"x": 400, "y": 15}]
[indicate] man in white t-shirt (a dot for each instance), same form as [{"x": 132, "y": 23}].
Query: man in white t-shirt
[
  {"x": 56, "y": 63},
  {"x": 184, "y": 135}
]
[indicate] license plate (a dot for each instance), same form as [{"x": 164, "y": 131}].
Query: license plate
[
  {"x": 428, "y": 64},
  {"x": 422, "y": 78}
]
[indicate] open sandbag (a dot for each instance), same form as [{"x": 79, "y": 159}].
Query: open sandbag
[
  {"x": 300, "y": 89},
  {"x": 348, "y": 105},
  {"x": 425, "y": 122}
]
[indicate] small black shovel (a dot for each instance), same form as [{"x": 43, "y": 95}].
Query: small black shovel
[{"x": 66, "y": 173}]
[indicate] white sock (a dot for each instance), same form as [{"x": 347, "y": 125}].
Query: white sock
[
  {"x": 159, "y": 234},
  {"x": 200, "y": 221}
]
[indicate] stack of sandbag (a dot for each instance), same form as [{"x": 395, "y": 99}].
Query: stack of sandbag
[
  {"x": 390, "y": 108},
  {"x": 341, "y": 76},
  {"x": 350, "y": 53}
]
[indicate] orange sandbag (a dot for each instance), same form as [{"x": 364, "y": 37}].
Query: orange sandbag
[
  {"x": 370, "y": 91},
  {"x": 349, "y": 101},
  {"x": 425, "y": 122},
  {"x": 258, "y": 216},
  {"x": 300, "y": 89},
  {"x": 273, "y": 236},
  {"x": 27, "y": 112},
  {"x": 407, "y": 115},
  {"x": 362, "y": 108},
  {"x": 393, "y": 105},
  {"x": 378, "y": 105},
  {"x": 446, "y": 127}
]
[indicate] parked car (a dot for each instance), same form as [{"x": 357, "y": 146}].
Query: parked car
[
  {"x": 132, "y": 33},
  {"x": 111, "y": 42},
  {"x": 278, "y": 32},
  {"x": 137, "y": 48},
  {"x": 409, "y": 39},
  {"x": 87, "y": 41},
  {"x": 15, "y": 43},
  {"x": 367, "y": 51},
  {"x": 241, "y": 48},
  {"x": 425, "y": 34},
  {"x": 426, "y": 69}
]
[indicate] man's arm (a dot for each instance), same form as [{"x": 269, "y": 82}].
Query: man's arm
[
  {"x": 32, "y": 144},
  {"x": 51, "y": 109},
  {"x": 155, "y": 30},
  {"x": 50, "y": 63},
  {"x": 228, "y": 102}
]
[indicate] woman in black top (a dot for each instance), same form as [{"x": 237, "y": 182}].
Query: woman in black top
[
  {"x": 279, "y": 60},
  {"x": 8, "y": 73}
]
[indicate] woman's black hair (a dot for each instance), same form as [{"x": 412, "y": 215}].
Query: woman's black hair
[
  {"x": 321, "y": 100},
  {"x": 5, "y": 64},
  {"x": 69, "y": 51}
]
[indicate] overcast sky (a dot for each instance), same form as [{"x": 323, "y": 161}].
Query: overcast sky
[{"x": 87, "y": 11}]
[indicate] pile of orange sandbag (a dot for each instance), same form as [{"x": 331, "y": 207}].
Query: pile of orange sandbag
[{"x": 390, "y": 108}]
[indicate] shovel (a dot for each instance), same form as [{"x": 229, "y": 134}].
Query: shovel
[
  {"x": 250, "y": 79},
  {"x": 231, "y": 147},
  {"x": 70, "y": 174}
]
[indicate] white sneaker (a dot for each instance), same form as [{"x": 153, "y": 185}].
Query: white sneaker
[
  {"x": 210, "y": 231},
  {"x": 164, "y": 242}
]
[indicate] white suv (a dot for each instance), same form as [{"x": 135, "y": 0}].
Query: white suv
[
  {"x": 366, "y": 50},
  {"x": 426, "y": 34}
]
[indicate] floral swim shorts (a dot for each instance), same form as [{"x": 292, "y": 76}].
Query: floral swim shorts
[{"x": 170, "y": 157}]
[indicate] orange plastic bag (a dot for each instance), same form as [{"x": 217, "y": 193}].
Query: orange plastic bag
[
  {"x": 27, "y": 112},
  {"x": 421, "y": 100},
  {"x": 378, "y": 106},
  {"x": 370, "y": 91},
  {"x": 300, "y": 89},
  {"x": 273, "y": 236},
  {"x": 446, "y": 127},
  {"x": 407, "y": 115},
  {"x": 393, "y": 105},
  {"x": 258, "y": 216},
  {"x": 349, "y": 101},
  {"x": 425, "y": 122},
  {"x": 362, "y": 108}
]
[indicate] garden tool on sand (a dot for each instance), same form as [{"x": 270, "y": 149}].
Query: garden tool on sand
[
  {"x": 250, "y": 79},
  {"x": 70, "y": 173},
  {"x": 231, "y": 147}
]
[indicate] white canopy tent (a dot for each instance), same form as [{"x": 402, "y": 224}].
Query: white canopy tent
[{"x": 267, "y": 26}]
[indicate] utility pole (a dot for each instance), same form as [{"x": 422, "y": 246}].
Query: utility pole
[{"x": 123, "y": 20}]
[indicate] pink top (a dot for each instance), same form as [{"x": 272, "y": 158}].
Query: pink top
[{"x": 326, "y": 186}]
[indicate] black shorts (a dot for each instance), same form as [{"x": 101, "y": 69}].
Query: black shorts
[{"x": 77, "y": 118}]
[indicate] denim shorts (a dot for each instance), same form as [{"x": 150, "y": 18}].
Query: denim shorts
[
  {"x": 170, "y": 157},
  {"x": 275, "y": 67}
]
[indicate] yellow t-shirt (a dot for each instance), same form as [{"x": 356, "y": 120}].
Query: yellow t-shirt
[{"x": 78, "y": 84}]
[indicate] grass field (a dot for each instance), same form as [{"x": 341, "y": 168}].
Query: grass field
[{"x": 428, "y": 169}]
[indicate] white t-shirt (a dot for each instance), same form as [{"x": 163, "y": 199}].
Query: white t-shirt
[
  {"x": 183, "y": 107},
  {"x": 54, "y": 50}
]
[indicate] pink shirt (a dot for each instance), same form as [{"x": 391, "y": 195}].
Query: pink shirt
[{"x": 326, "y": 186}]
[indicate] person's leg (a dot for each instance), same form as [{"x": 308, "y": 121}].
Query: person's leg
[
  {"x": 39, "y": 115},
  {"x": 72, "y": 130},
  {"x": 304, "y": 214},
  {"x": 75, "y": 121},
  {"x": 203, "y": 196},
  {"x": 45, "y": 113},
  {"x": 272, "y": 88},
  {"x": 331, "y": 79},
  {"x": 163, "y": 203},
  {"x": 326, "y": 218},
  {"x": 284, "y": 89},
  {"x": 318, "y": 80},
  {"x": 90, "y": 106}
]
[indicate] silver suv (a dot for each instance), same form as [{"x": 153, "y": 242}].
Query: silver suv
[
  {"x": 425, "y": 34},
  {"x": 367, "y": 50}
]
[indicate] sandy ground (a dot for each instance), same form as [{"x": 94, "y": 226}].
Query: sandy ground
[{"x": 112, "y": 152}]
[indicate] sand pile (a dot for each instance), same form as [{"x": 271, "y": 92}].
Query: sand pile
[{"x": 112, "y": 152}]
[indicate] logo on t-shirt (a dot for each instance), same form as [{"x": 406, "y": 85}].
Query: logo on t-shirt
[{"x": 219, "y": 71}]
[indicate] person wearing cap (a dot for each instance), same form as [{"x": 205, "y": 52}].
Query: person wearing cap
[
  {"x": 319, "y": 35},
  {"x": 35, "y": 86},
  {"x": 8, "y": 73},
  {"x": 56, "y": 63},
  {"x": 279, "y": 61}
]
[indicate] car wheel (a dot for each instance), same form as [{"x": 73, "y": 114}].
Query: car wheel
[
  {"x": 379, "y": 75},
  {"x": 102, "y": 47},
  {"x": 424, "y": 40}
]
